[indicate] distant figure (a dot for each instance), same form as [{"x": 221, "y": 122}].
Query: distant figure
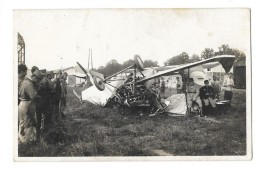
[
  {"x": 56, "y": 96},
  {"x": 27, "y": 132},
  {"x": 179, "y": 85},
  {"x": 63, "y": 83},
  {"x": 22, "y": 72},
  {"x": 207, "y": 95},
  {"x": 216, "y": 86},
  {"x": 193, "y": 93},
  {"x": 162, "y": 88},
  {"x": 49, "y": 75},
  {"x": 59, "y": 74},
  {"x": 228, "y": 87}
]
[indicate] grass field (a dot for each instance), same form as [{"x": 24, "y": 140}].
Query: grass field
[{"x": 90, "y": 130}]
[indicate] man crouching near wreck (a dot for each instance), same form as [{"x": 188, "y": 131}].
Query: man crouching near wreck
[{"x": 26, "y": 110}]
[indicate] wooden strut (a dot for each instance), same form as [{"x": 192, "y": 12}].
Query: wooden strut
[
  {"x": 187, "y": 80},
  {"x": 134, "y": 79},
  {"x": 118, "y": 72}
]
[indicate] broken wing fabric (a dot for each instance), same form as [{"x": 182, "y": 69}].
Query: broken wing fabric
[{"x": 177, "y": 104}]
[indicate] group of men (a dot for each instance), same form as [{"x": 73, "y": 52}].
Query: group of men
[
  {"x": 39, "y": 101},
  {"x": 207, "y": 94}
]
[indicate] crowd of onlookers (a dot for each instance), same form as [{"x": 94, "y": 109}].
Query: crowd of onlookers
[{"x": 41, "y": 101}]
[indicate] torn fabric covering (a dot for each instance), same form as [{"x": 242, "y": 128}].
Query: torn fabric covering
[
  {"x": 97, "y": 97},
  {"x": 177, "y": 104}
]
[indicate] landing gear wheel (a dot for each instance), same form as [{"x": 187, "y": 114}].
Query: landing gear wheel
[
  {"x": 139, "y": 63},
  {"x": 98, "y": 83}
]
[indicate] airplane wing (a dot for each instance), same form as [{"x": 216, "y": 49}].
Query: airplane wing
[{"x": 226, "y": 61}]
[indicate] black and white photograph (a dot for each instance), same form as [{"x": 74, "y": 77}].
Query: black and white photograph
[{"x": 108, "y": 84}]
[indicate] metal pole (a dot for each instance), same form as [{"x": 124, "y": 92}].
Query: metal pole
[
  {"x": 61, "y": 63},
  {"x": 24, "y": 54},
  {"x": 88, "y": 56},
  {"x": 119, "y": 72},
  {"x": 186, "y": 94},
  {"x": 91, "y": 60}
]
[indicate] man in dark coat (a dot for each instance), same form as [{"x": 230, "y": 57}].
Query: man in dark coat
[{"x": 207, "y": 95}]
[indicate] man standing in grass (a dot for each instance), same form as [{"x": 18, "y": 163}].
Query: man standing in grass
[
  {"x": 193, "y": 93},
  {"x": 162, "y": 88},
  {"x": 27, "y": 131},
  {"x": 22, "y": 72},
  {"x": 42, "y": 106},
  {"x": 216, "y": 86},
  {"x": 228, "y": 87},
  {"x": 179, "y": 85}
]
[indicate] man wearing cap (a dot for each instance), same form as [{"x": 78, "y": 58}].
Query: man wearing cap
[
  {"x": 27, "y": 132},
  {"x": 207, "y": 95},
  {"x": 193, "y": 93}
]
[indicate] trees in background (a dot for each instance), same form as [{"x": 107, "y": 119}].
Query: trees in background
[
  {"x": 177, "y": 60},
  {"x": 194, "y": 58},
  {"x": 113, "y": 66},
  {"x": 225, "y": 49},
  {"x": 150, "y": 63},
  {"x": 207, "y": 53}
]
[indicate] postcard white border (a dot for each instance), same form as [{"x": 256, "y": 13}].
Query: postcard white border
[{"x": 6, "y": 147}]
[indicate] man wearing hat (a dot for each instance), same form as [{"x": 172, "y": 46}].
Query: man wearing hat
[
  {"x": 207, "y": 95},
  {"x": 228, "y": 87},
  {"x": 27, "y": 132},
  {"x": 193, "y": 93}
]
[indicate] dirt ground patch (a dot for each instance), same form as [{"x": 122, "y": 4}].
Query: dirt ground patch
[{"x": 90, "y": 130}]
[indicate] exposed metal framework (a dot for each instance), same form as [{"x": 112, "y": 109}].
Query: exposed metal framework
[{"x": 21, "y": 50}]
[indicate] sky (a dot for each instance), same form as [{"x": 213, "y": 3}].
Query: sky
[{"x": 60, "y": 38}]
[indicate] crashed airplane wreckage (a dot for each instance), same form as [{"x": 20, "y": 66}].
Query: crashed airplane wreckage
[{"x": 135, "y": 86}]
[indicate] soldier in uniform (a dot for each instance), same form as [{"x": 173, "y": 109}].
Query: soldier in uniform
[
  {"x": 49, "y": 76},
  {"x": 42, "y": 106},
  {"x": 63, "y": 97},
  {"x": 179, "y": 85},
  {"x": 56, "y": 95},
  {"x": 193, "y": 93},
  {"x": 207, "y": 95},
  {"x": 22, "y": 72},
  {"x": 216, "y": 86},
  {"x": 162, "y": 88},
  {"x": 228, "y": 87},
  {"x": 27, "y": 132}
]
